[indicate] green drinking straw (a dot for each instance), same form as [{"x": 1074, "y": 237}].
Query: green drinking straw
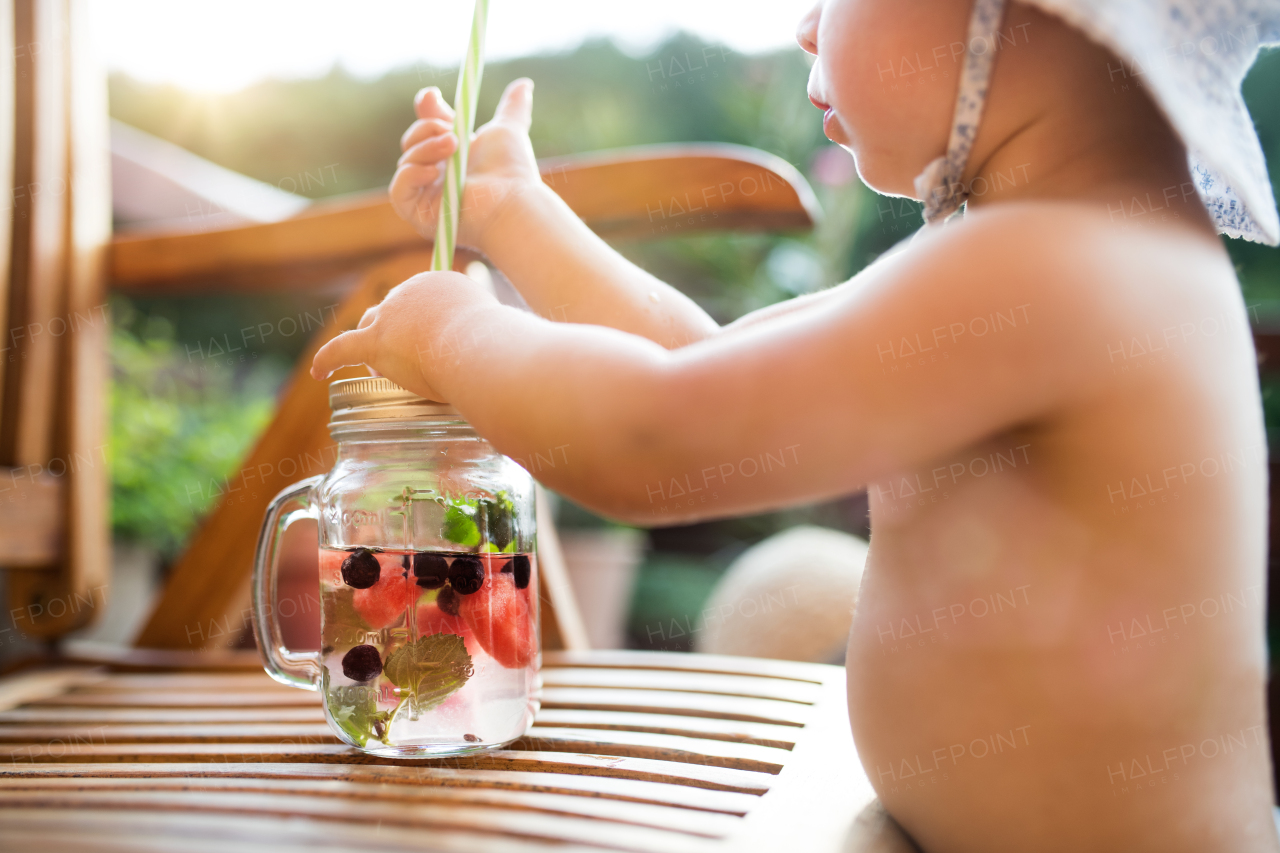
[{"x": 464, "y": 121}]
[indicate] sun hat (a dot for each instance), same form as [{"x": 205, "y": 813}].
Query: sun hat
[{"x": 1191, "y": 55}]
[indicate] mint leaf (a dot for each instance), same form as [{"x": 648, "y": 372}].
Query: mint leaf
[
  {"x": 460, "y": 525},
  {"x": 470, "y": 521},
  {"x": 431, "y": 668},
  {"x": 355, "y": 710}
]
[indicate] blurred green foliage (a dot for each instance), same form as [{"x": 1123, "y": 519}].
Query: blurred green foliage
[
  {"x": 178, "y": 427},
  {"x": 1259, "y": 266},
  {"x": 666, "y": 606}
]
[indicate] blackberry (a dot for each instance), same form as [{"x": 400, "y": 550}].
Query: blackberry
[
  {"x": 361, "y": 570},
  {"x": 431, "y": 570},
  {"x": 362, "y": 663},
  {"x": 521, "y": 568},
  {"x": 447, "y": 600},
  {"x": 466, "y": 575}
]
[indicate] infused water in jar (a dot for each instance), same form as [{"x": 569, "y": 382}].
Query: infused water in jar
[{"x": 428, "y": 580}]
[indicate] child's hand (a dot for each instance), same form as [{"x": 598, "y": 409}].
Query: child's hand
[
  {"x": 500, "y": 163},
  {"x": 419, "y": 334}
]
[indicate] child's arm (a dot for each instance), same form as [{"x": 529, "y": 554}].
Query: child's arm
[
  {"x": 568, "y": 274},
  {"x": 810, "y": 397},
  {"x": 562, "y": 269}
]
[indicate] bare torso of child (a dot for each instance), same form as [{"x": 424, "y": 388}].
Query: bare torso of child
[{"x": 1058, "y": 643}]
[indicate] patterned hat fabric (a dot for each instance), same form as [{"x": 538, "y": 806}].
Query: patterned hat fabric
[{"x": 1192, "y": 57}]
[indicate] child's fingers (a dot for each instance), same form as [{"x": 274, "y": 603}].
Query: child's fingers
[
  {"x": 432, "y": 150},
  {"x": 410, "y": 180},
  {"x": 424, "y": 128},
  {"x": 516, "y": 106},
  {"x": 354, "y": 347},
  {"x": 429, "y": 103}
]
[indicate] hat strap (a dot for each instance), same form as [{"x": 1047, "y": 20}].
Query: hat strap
[{"x": 941, "y": 186}]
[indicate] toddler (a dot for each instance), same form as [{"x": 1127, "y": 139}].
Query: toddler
[{"x": 1052, "y": 400}]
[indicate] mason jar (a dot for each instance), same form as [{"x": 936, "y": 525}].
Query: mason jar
[{"x": 428, "y": 580}]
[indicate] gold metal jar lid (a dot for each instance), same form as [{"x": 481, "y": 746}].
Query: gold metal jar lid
[{"x": 376, "y": 398}]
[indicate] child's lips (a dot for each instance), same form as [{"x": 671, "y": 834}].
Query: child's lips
[
  {"x": 832, "y": 128},
  {"x": 828, "y": 113}
]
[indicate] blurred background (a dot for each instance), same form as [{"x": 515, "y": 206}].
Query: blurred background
[{"x": 310, "y": 101}]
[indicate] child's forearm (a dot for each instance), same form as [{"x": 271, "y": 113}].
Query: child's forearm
[
  {"x": 597, "y": 415},
  {"x": 568, "y": 274},
  {"x": 781, "y": 309}
]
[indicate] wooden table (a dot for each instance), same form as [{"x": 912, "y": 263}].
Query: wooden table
[{"x": 632, "y": 751}]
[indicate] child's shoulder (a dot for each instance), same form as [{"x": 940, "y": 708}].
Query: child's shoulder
[
  {"x": 1080, "y": 281},
  {"x": 1080, "y": 258},
  {"x": 1082, "y": 237}
]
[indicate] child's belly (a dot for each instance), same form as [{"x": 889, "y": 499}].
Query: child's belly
[{"x": 1023, "y": 676}]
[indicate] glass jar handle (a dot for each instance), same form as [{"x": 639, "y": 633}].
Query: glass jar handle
[{"x": 297, "y": 669}]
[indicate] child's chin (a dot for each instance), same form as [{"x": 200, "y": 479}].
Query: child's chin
[{"x": 884, "y": 178}]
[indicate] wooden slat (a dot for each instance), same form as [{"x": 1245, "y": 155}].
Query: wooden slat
[
  {"x": 631, "y": 192},
  {"x": 29, "y": 687},
  {"x": 135, "y": 732},
  {"x": 37, "y": 294},
  {"x": 80, "y": 715},
  {"x": 126, "y": 659},
  {"x": 8, "y": 131},
  {"x": 656, "y": 191},
  {"x": 224, "y": 668},
  {"x": 428, "y": 774},
  {"x": 625, "y": 767},
  {"x": 32, "y": 830},
  {"x": 550, "y": 733},
  {"x": 84, "y": 569},
  {"x": 711, "y": 684},
  {"x": 181, "y": 831},
  {"x": 33, "y": 527},
  {"x": 353, "y": 801},
  {"x": 241, "y": 681},
  {"x": 762, "y": 734},
  {"x": 55, "y": 743},
  {"x": 814, "y": 673},
  {"x": 329, "y": 239},
  {"x": 662, "y": 747},
  {"x": 183, "y": 699},
  {"x": 644, "y": 701},
  {"x": 181, "y": 681},
  {"x": 716, "y": 684},
  {"x": 735, "y": 731},
  {"x": 680, "y": 704}
]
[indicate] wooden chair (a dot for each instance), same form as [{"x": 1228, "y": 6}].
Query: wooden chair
[
  {"x": 53, "y": 238},
  {"x": 646, "y": 192},
  {"x": 184, "y": 744}
]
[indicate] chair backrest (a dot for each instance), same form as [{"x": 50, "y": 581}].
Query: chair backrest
[
  {"x": 635, "y": 192},
  {"x": 53, "y": 236}
]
